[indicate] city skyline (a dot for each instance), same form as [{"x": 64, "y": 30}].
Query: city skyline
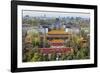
[{"x": 55, "y": 14}]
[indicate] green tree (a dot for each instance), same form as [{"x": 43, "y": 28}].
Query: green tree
[
  {"x": 53, "y": 56},
  {"x": 36, "y": 57}
]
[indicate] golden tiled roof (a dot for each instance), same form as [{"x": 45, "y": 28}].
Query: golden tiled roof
[
  {"x": 58, "y": 32},
  {"x": 57, "y": 41}
]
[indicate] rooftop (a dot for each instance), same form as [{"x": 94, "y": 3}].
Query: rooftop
[
  {"x": 57, "y": 41},
  {"x": 58, "y": 31}
]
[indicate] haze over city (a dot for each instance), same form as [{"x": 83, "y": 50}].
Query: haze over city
[{"x": 55, "y": 14}]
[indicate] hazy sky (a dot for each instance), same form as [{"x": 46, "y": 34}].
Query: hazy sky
[{"x": 56, "y": 14}]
